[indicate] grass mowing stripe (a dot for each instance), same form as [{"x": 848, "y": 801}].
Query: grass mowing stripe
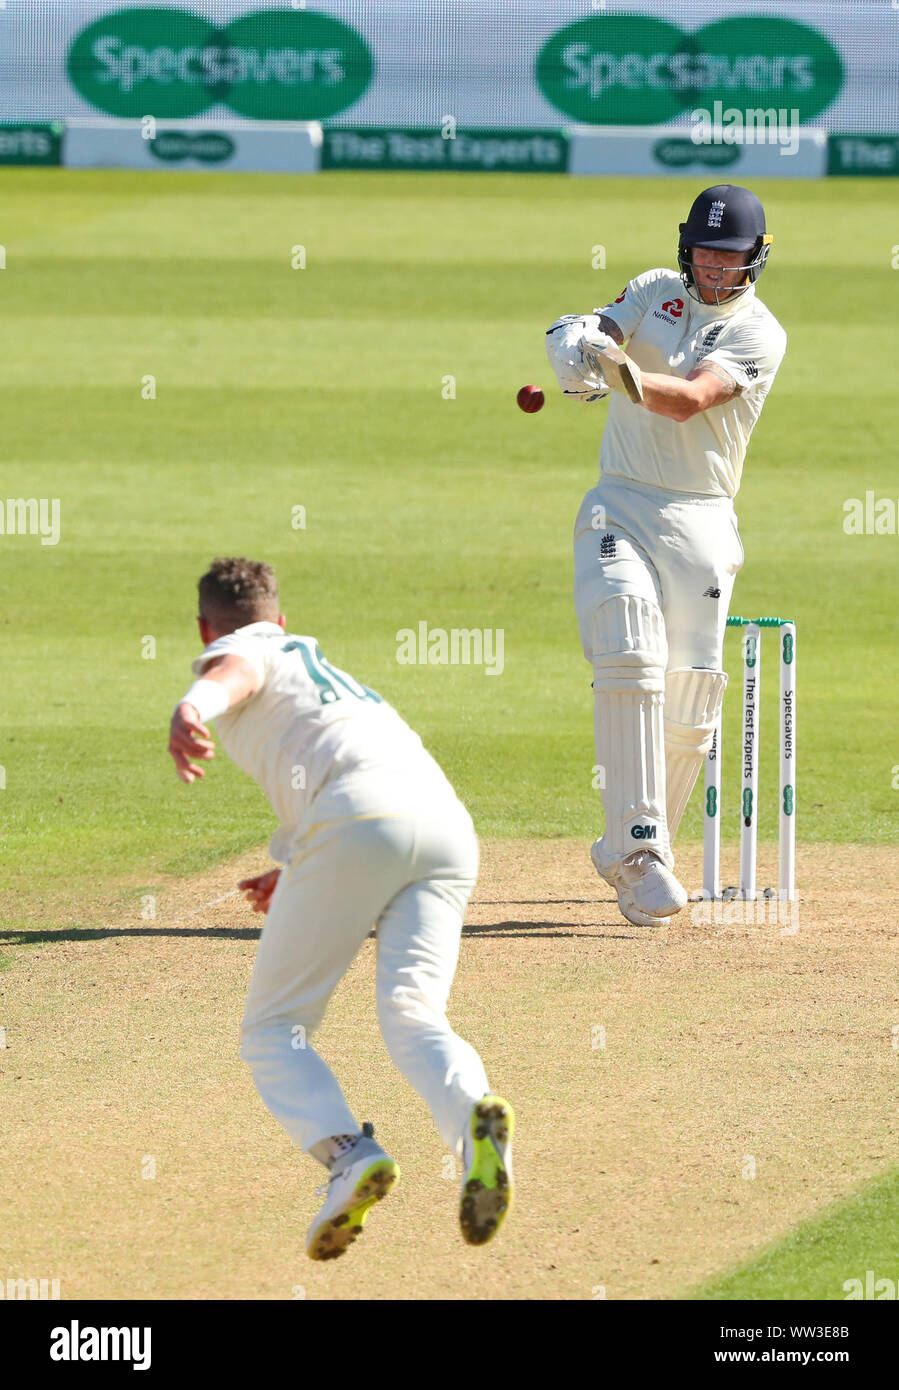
[
  {"x": 323, "y": 388},
  {"x": 836, "y": 1255}
]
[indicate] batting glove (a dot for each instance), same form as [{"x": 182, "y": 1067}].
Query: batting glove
[
  {"x": 592, "y": 344},
  {"x": 576, "y": 379}
]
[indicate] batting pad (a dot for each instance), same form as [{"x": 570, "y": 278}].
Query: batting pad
[
  {"x": 693, "y": 701},
  {"x": 629, "y": 654},
  {"x": 629, "y": 646}
]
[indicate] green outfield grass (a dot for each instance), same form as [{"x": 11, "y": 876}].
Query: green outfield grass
[
  {"x": 321, "y": 388},
  {"x": 854, "y": 1240}
]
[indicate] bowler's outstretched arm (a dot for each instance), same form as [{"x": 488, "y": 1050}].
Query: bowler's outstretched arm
[{"x": 226, "y": 680}]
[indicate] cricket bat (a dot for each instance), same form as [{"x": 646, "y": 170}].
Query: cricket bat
[{"x": 621, "y": 372}]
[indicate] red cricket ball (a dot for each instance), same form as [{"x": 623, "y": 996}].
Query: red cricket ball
[{"x": 530, "y": 399}]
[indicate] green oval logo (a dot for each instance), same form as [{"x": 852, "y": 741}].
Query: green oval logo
[
  {"x": 757, "y": 62},
  {"x": 210, "y": 146},
  {"x": 613, "y": 69},
  {"x": 633, "y": 70},
  {"x": 287, "y": 65},
  {"x": 145, "y": 62},
  {"x": 680, "y": 153},
  {"x": 788, "y": 648},
  {"x": 292, "y": 65}
]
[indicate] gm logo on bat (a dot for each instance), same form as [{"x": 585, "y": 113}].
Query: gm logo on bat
[
  {"x": 643, "y": 832},
  {"x": 290, "y": 65}
]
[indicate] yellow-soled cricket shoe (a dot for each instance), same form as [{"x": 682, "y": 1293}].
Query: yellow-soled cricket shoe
[
  {"x": 351, "y": 1194},
  {"x": 487, "y": 1186}
]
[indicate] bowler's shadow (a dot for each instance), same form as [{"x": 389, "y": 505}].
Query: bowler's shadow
[{"x": 487, "y": 929}]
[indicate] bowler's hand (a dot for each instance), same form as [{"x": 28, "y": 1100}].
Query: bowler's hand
[
  {"x": 259, "y": 890},
  {"x": 188, "y": 738}
]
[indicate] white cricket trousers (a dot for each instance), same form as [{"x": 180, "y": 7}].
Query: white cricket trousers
[
  {"x": 680, "y": 553},
  {"x": 653, "y": 576},
  {"x": 408, "y": 869}
]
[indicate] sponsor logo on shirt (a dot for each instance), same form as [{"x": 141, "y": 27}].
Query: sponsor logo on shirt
[
  {"x": 750, "y": 369},
  {"x": 670, "y": 312}
]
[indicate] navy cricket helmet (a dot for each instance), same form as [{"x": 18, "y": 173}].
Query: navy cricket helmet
[{"x": 726, "y": 218}]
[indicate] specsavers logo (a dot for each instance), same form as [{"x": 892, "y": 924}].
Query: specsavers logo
[
  {"x": 269, "y": 65},
  {"x": 681, "y": 153},
  {"x": 633, "y": 70},
  {"x": 210, "y": 147}
]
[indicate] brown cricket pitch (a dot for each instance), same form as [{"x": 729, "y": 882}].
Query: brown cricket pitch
[{"x": 652, "y": 1071}]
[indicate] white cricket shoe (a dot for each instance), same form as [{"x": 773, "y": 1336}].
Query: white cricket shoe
[
  {"x": 352, "y": 1192},
  {"x": 647, "y": 890},
  {"x": 653, "y": 887},
  {"x": 633, "y": 914}
]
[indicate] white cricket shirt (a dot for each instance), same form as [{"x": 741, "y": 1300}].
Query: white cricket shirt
[
  {"x": 309, "y": 722},
  {"x": 667, "y": 331}
]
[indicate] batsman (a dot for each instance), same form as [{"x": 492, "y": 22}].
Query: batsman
[{"x": 656, "y": 542}]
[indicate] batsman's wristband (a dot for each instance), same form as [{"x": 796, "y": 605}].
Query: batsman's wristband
[{"x": 209, "y": 699}]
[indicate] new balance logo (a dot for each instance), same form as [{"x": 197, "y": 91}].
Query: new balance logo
[
  {"x": 643, "y": 832},
  {"x": 750, "y": 369},
  {"x": 712, "y": 593}
]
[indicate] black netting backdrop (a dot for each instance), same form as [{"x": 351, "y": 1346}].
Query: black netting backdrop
[{"x": 517, "y": 64}]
